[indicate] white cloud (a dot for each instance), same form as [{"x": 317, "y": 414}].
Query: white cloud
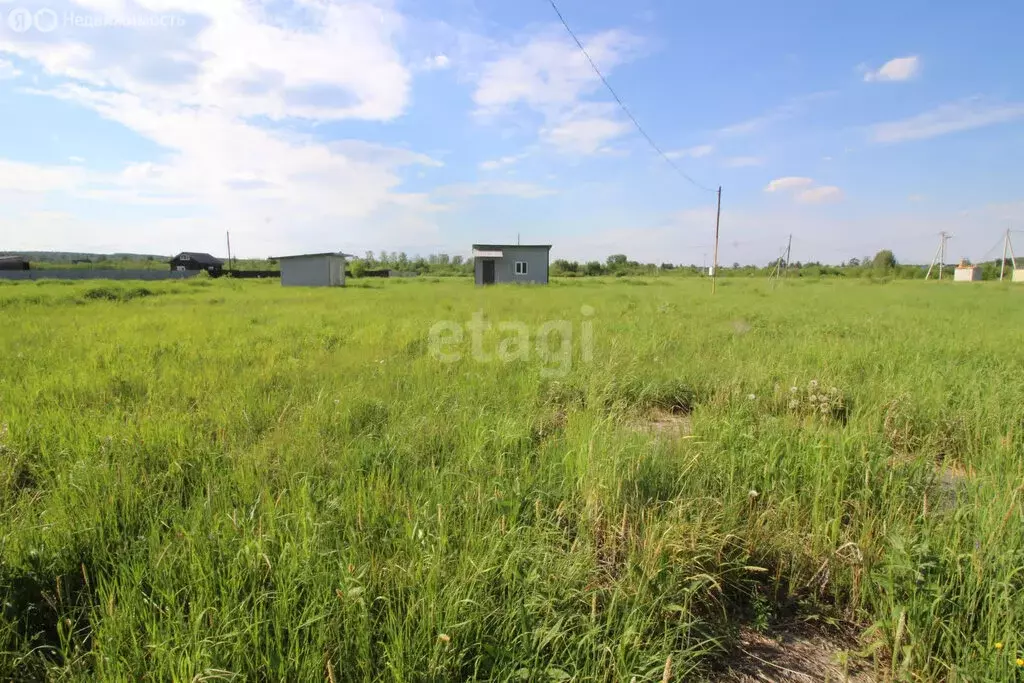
[
  {"x": 899, "y": 69},
  {"x": 947, "y": 118},
  {"x": 805, "y": 190},
  {"x": 916, "y": 198},
  {"x": 743, "y": 162},
  {"x": 783, "y": 112},
  {"x": 548, "y": 75},
  {"x": 494, "y": 187},
  {"x": 235, "y": 55},
  {"x": 439, "y": 62},
  {"x": 502, "y": 162},
  {"x": 585, "y": 130},
  {"x": 8, "y": 70},
  {"x": 820, "y": 195},
  {"x": 549, "y": 71},
  {"x": 76, "y": 160},
  {"x": 200, "y": 91},
  {"x": 22, "y": 177},
  {"x": 691, "y": 152},
  {"x": 788, "y": 183}
]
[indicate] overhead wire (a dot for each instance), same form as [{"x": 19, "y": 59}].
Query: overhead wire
[{"x": 622, "y": 104}]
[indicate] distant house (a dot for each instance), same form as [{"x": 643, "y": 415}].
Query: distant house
[
  {"x": 494, "y": 263},
  {"x": 193, "y": 260},
  {"x": 13, "y": 263},
  {"x": 965, "y": 272},
  {"x": 313, "y": 270}
]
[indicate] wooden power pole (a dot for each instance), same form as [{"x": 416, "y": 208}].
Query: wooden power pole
[
  {"x": 1006, "y": 246},
  {"x": 229, "y": 250},
  {"x": 789, "y": 253},
  {"x": 714, "y": 266}
]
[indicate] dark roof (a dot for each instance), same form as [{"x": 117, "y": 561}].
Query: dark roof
[
  {"x": 201, "y": 258},
  {"x": 511, "y": 246},
  {"x": 11, "y": 257}
]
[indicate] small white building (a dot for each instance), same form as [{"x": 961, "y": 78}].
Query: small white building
[
  {"x": 965, "y": 272},
  {"x": 313, "y": 270},
  {"x": 1018, "y": 274}
]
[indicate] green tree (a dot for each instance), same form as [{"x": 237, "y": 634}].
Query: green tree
[{"x": 884, "y": 261}]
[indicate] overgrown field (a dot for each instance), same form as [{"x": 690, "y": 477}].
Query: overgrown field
[{"x": 232, "y": 480}]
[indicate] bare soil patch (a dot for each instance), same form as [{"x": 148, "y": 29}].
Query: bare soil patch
[
  {"x": 797, "y": 653},
  {"x": 668, "y": 424}
]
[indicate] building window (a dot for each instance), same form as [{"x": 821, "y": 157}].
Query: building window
[
  {"x": 186, "y": 257},
  {"x": 520, "y": 267}
]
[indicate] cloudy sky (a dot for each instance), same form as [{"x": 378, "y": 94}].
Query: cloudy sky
[{"x": 423, "y": 126}]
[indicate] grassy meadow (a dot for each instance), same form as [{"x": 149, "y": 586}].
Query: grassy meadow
[{"x": 229, "y": 480}]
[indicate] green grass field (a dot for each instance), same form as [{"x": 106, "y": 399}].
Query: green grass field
[{"x": 214, "y": 480}]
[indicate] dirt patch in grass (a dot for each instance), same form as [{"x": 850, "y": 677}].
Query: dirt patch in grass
[
  {"x": 665, "y": 423},
  {"x": 797, "y": 653}
]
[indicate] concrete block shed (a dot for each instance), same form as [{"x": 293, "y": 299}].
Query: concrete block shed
[
  {"x": 313, "y": 270},
  {"x": 965, "y": 272},
  {"x": 497, "y": 263}
]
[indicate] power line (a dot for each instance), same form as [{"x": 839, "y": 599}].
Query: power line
[{"x": 622, "y": 104}]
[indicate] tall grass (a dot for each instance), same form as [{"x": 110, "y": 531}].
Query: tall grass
[{"x": 232, "y": 480}]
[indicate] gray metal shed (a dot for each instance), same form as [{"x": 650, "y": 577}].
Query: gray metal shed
[
  {"x": 313, "y": 270},
  {"x": 496, "y": 263}
]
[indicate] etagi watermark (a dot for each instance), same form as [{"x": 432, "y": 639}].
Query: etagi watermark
[
  {"x": 45, "y": 20},
  {"x": 552, "y": 342}
]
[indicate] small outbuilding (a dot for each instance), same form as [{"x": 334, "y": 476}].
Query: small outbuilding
[
  {"x": 196, "y": 260},
  {"x": 965, "y": 272},
  {"x": 1018, "y": 274},
  {"x": 497, "y": 263},
  {"x": 313, "y": 270},
  {"x": 13, "y": 263}
]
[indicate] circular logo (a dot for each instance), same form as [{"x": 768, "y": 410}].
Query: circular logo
[
  {"x": 46, "y": 20},
  {"x": 19, "y": 20}
]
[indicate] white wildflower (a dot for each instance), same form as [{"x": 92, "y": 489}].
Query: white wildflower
[
  {"x": 751, "y": 397},
  {"x": 793, "y": 390},
  {"x": 752, "y": 494}
]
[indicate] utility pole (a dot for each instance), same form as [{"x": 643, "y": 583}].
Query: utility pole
[
  {"x": 942, "y": 263},
  {"x": 229, "y": 250},
  {"x": 789, "y": 252},
  {"x": 1006, "y": 246},
  {"x": 940, "y": 255},
  {"x": 714, "y": 266},
  {"x": 1013, "y": 257}
]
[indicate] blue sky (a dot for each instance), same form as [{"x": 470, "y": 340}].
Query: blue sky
[{"x": 400, "y": 125}]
